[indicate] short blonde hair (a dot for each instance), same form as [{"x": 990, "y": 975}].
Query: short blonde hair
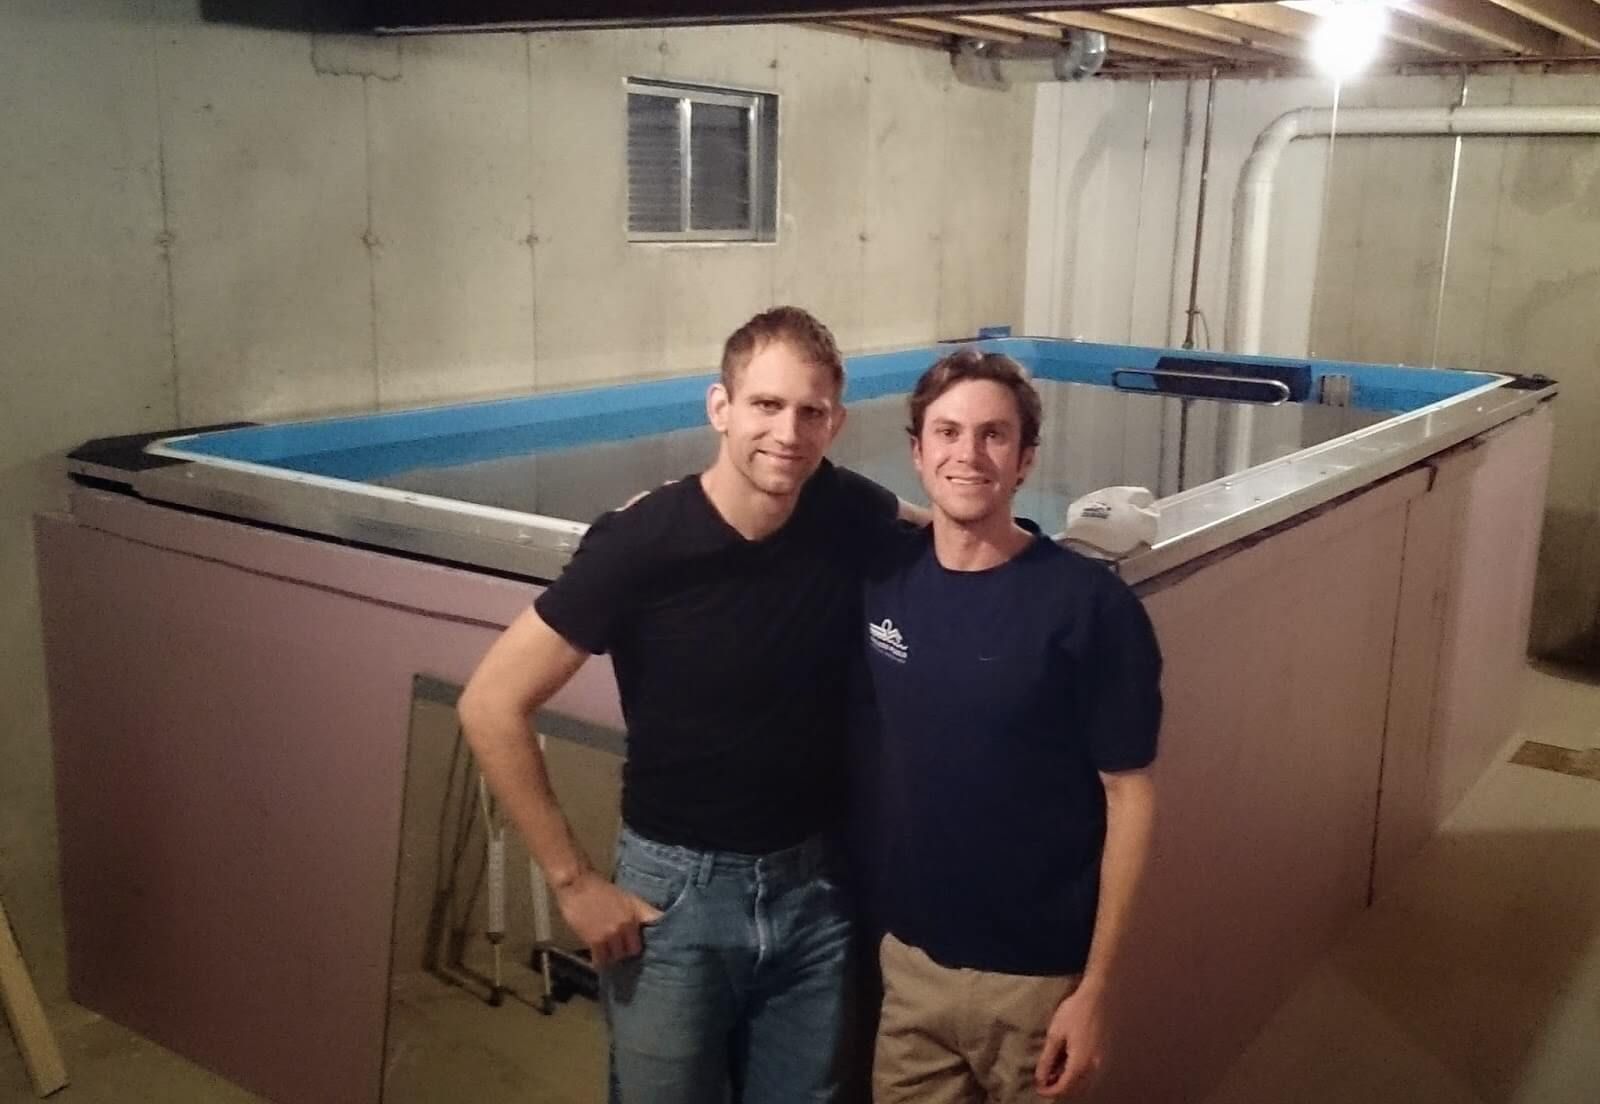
[{"x": 798, "y": 328}]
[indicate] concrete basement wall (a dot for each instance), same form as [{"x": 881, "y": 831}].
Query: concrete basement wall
[
  {"x": 204, "y": 223},
  {"x": 1356, "y": 253}
]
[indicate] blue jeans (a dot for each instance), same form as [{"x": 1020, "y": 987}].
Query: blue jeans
[{"x": 739, "y": 994}]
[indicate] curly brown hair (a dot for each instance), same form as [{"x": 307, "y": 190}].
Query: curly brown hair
[
  {"x": 799, "y": 329},
  {"x": 973, "y": 364}
]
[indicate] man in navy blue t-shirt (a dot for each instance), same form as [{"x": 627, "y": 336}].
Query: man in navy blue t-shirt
[{"x": 1018, "y": 690}]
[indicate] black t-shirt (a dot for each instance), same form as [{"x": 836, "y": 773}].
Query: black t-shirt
[
  {"x": 1001, "y": 695},
  {"x": 730, "y": 656}
]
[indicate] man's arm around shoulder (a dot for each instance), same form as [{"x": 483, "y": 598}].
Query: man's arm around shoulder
[
  {"x": 1075, "y": 1040},
  {"x": 912, "y": 514},
  {"x": 522, "y": 670}
]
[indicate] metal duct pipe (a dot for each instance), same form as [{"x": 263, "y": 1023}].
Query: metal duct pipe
[
  {"x": 998, "y": 65},
  {"x": 1252, "y": 216}
]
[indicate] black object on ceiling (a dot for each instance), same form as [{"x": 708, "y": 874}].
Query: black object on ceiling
[
  {"x": 418, "y": 15},
  {"x": 294, "y": 15}
]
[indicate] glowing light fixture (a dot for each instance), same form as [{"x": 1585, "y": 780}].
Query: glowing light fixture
[{"x": 1348, "y": 36}]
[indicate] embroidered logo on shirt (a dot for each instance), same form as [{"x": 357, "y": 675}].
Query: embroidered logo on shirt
[{"x": 887, "y": 639}]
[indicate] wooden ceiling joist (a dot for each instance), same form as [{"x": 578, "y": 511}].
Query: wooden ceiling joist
[
  {"x": 863, "y": 28},
  {"x": 1576, "y": 19},
  {"x": 1140, "y": 31},
  {"x": 1215, "y": 28},
  {"x": 953, "y": 27},
  {"x": 1427, "y": 38},
  {"x": 1279, "y": 18},
  {"x": 1488, "y": 23},
  {"x": 1405, "y": 30},
  {"x": 1255, "y": 36},
  {"x": 1134, "y": 48},
  {"x": 1027, "y": 28}
]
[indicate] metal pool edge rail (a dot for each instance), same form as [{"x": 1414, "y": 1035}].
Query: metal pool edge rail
[
  {"x": 1214, "y": 515},
  {"x": 1193, "y": 523}
]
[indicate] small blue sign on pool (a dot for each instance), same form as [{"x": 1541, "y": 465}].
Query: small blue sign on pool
[{"x": 993, "y": 331}]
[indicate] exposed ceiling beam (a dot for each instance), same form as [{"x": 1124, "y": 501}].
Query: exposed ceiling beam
[
  {"x": 1240, "y": 35},
  {"x": 863, "y": 28},
  {"x": 1215, "y": 28},
  {"x": 1118, "y": 46},
  {"x": 951, "y": 27},
  {"x": 1577, "y": 19},
  {"x": 1420, "y": 34},
  {"x": 1145, "y": 32},
  {"x": 1041, "y": 27},
  {"x": 1027, "y": 28},
  {"x": 1481, "y": 20},
  {"x": 1269, "y": 17},
  {"x": 1407, "y": 30}
]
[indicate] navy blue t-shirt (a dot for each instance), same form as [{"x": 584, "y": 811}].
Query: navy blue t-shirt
[{"x": 1001, "y": 695}]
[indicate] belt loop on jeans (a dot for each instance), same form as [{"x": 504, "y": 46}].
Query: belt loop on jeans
[{"x": 702, "y": 874}]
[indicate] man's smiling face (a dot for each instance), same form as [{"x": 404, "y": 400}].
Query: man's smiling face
[
  {"x": 783, "y": 414},
  {"x": 970, "y": 453}
]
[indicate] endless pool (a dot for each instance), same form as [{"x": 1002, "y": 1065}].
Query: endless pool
[
  {"x": 234, "y": 626},
  {"x": 511, "y": 484}
]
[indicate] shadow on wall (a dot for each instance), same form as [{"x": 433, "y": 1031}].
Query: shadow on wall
[
  {"x": 1095, "y": 151},
  {"x": 1566, "y": 598}
]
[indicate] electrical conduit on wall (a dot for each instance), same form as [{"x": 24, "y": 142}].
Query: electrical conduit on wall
[
  {"x": 1247, "y": 276},
  {"x": 1252, "y": 213}
]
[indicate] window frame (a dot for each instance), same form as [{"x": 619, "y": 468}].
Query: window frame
[{"x": 686, "y": 96}]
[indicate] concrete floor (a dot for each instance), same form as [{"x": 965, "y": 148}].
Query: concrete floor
[
  {"x": 444, "y": 1046},
  {"x": 1476, "y": 983}
]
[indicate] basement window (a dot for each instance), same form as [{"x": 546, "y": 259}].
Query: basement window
[{"x": 702, "y": 163}]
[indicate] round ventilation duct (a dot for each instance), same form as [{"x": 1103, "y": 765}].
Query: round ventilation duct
[{"x": 1001, "y": 64}]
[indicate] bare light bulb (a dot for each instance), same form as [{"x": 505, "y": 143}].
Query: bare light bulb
[{"x": 1348, "y": 35}]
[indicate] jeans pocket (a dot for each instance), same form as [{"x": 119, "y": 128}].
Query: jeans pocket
[{"x": 663, "y": 890}]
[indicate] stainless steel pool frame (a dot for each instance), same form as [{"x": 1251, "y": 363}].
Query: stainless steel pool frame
[{"x": 1192, "y": 523}]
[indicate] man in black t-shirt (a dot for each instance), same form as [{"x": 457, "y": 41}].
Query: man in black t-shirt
[{"x": 727, "y": 601}]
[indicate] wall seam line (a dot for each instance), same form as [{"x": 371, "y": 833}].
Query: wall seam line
[{"x": 166, "y": 239}]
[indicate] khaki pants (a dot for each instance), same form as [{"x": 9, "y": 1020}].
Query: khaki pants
[{"x": 949, "y": 1036}]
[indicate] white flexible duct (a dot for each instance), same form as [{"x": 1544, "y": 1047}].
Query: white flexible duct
[{"x": 1252, "y": 212}]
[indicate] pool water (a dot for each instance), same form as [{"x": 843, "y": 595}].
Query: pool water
[{"x": 1093, "y": 437}]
